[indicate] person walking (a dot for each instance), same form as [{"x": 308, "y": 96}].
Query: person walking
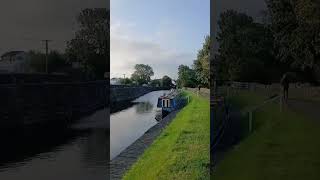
[{"x": 285, "y": 86}]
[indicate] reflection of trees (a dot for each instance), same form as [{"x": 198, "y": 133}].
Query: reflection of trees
[
  {"x": 144, "y": 107},
  {"x": 22, "y": 146},
  {"x": 96, "y": 149}
]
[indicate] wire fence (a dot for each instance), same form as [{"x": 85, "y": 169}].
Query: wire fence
[
  {"x": 272, "y": 94},
  {"x": 220, "y": 106}
]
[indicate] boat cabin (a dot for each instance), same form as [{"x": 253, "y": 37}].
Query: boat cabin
[{"x": 169, "y": 102}]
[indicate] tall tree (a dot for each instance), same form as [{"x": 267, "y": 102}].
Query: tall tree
[
  {"x": 246, "y": 49},
  {"x": 166, "y": 81},
  {"x": 90, "y": 45},
  {"x": 142, "y": 74},
  {"x": 202, "y": 65},
  {"x": 296, "y": 28},
  {"x": 186, "y": 77}
]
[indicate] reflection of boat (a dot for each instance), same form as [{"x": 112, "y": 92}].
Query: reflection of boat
[
  {"x": 158, "y": 115},
  {"x": 169, "y": 102}
]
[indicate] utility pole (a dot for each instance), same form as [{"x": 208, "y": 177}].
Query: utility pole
[
  {"x": 124, "y": 76},
  {"x": 47, "y": 52}
]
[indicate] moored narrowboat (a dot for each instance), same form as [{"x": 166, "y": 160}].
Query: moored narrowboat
[{"x": 170, "y": 102}]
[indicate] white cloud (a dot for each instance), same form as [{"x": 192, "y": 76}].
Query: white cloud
[{"x": 128, "y": 49}]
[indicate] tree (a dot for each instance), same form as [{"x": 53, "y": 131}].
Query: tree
[
  {"x": 56, "y": 61},
  {"x": 296, "y": 28},
  {"x": 90, "y": 46},
  {"x": 166, "y": 81},
  {"x": 186, "y": 77},
  {"x": 142, "y": 74},
  {"x": 202, "y": 65},
  {"x": 246, "y": 49},
  {"x": 126, "y": 81},
  {"x": 156, "y": 83}
]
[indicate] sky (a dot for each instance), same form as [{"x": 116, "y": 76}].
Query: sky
[
  {"x": 163, "y": 34},
  {"x": 25, "y": 23}
]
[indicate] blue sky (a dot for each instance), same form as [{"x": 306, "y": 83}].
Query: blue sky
[{"x": 161, "y": 33}]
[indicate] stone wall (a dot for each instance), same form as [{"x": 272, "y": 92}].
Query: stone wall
[{"x": 24, "y": 104}]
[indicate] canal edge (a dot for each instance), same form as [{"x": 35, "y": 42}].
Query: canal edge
[{"x": 123, "y": 162}]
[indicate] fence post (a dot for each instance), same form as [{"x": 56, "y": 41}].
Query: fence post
[
  {"x": 281, "y": 100},
  {"x": 250, "y": 121}
]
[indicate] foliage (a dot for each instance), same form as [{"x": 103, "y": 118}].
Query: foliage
[
  {"x": 142, "y": 74},
  {"x": 126, "y": 81},
  {"x": 156, "y": 83},
  {"x": 166, "y": 81},
  {"x": 56, "y": 61},
  {"x": 90, "y": 45},
  {"x": 246, "y": 49},
  {"x": 202, "y": 65},
  {"x": 296, "y": 28},
  {"x": 186, "y": 77}
]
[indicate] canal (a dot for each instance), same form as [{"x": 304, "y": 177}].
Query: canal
[
  {"x": 80, "y": 151},
  {"x": 127, "y": 125}
]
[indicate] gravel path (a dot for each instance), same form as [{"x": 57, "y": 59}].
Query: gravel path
[{"x": 311, "y": 109}]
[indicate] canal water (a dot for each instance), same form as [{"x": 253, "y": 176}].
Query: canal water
[
  {"x": 78, "y": 152},
  {"x": 131, "y": 123}
]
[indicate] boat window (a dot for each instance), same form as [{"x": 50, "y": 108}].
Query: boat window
[{"x": 166, "y": 103}]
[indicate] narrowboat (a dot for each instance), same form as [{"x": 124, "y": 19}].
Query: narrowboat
[{"x": 169, "y": 102}]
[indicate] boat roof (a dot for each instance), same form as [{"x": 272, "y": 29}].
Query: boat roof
[{"x": 172, "y": 94}]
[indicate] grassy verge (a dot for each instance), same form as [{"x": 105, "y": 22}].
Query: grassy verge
[
  {"x": 182, "y": 149},
  {"x": 282, "y": 146}
]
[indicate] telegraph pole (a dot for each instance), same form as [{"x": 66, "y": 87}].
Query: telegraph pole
[{"x": 47, "y": 52}]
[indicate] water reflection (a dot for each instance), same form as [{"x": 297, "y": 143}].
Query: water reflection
[
  {"x": 78, "y": 152},
  {"x": 129, "y": 124},
  {"x": 144, "y": 107}
]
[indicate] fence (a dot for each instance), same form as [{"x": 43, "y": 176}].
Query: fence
[
  {"x": 272, "y": 94},
  {"x": 220, "y": 106},
  {"x": 204, "y": 92},
  {"x": 219, "y": 119}
]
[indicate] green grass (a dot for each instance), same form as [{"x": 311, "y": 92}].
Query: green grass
[
  {"x": 282, "y": 146},
  {"x": 182, "y": 150}
]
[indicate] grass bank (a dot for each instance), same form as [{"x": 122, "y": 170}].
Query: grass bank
[
  {"x": 282, "y": 146},
  {"x": 182, "y": 150}
]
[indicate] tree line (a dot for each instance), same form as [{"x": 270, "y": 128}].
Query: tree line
[
  {"x": 287, "y": 40},
  {"x": 198, "y": 73},
  {"x": 142, "y": 76},
  {"x": 89, "y": 48}
]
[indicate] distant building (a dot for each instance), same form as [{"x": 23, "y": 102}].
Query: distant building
[{"x": 14, "y": 61}]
